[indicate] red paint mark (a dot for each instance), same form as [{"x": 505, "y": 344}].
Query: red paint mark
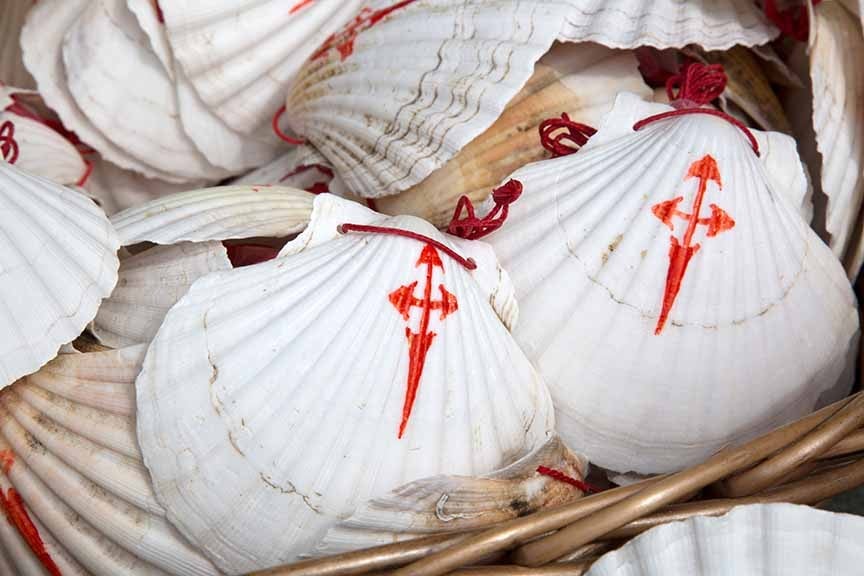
[
  {"x": 319, "y": 187},
  {"x": 562, "y": 136},
  {"x": 242, "y": 255},
  {"x": 8, "y": 144},
  {"x": 680, "y": 253},
  {"x": 7, "y": 459},
  {"x": 366, "y": 19},
  {"x": 300, "y": 5},
  {"x": 16, "y": 514},
  {"x": 159, "y": 15},
  {"x": 562, "y": 477},
  {"x": 472, "y": 228},
  {"x": 419, "y": 342}
]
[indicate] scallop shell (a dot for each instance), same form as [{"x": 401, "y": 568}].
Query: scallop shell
[
  {"x": 579, "y": 79},
  {"x": 12, "y": 70},
  {"x": 711, "y": 24},
  {"x": 315, "y": 430},
  {"x": 838, "y": 114},
  {"x": 652, "y": 370},
  {"x": 762, "y": 539},
  {"x": 240, "y": 57},
  {"x": 119, "y": 83},
  {"x": 59, "y": 261},
  {"x": 150, "y": 283},
  {"x": 69, "y": 453},
  {"x": 216, "y": 214},
  {"x": 40, "y": 150},
  {"x": 42, "y": 41},
  {"x": 406, "y": 85},
  {"x": 455, "y": 503}
]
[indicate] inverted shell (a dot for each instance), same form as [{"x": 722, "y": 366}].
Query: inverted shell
[
  {"x": 216, "y": 214},
  {"x": 249, "y": 380},
  {"x": 59, "y": 261},
  {"x": 650, "y": 336},
  {"x": 402, "y": 88},
  {"x": 763, "y": 540},
  {"x": 711, "y": 24},
  {"x": 71, "y": 463}
]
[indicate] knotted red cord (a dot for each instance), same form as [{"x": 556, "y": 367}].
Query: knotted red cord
[
  {"x": 696, "y": 85},
  {"x": 472, "y": 228},
  {"x": 467, "y": 263},
  {"x": 8, "y": 144},
  {"x": 570, "y": 137},
  {"x": 562, "y": 477},
  {"x": 278, "y": 131}
]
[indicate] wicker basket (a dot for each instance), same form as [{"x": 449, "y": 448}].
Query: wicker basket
[{"x": 805, "y": 462}]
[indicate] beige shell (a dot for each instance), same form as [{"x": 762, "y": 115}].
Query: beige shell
[
  {"x": 455, "y": 503},
  {"x": 579, "y": 79}
]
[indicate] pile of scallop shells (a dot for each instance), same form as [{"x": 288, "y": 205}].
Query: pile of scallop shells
[{"x": 286, "y": 278}]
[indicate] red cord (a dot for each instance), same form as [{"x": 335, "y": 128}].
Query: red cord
[
  {"x": 472, "y": 228},
  {"x": 8, "y": 144},
  {"x": 564, "y": 143},
  {"x": 793, "y": 21},
  {"x": 278, "y": 131},
  {"x": 467, "y": 263},
  {"x": 698, "y": 84},
  {"x": 562, "y": 477}
]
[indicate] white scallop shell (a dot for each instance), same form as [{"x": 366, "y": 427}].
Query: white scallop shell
[
  {"x": 149, "y": 284},
  {"x": 579, "y": 79},
  {"x": 711, "y": 24},
  {"x": 67, "y": 441},
  {"x": 303, "y": 168},
  {"x": 240, "y": 57},
  {"x": 44, "y": 152},
  {"x": 118, "y": 82},
  {"x": 455, "y": 503},
  {"x": 838, "y": 114},
  {"x": 313, "y": 429},
  {"x": 406, "y": 85},
  {"x": 216, "y": 214},
  {"x": 756, "y": 540},
  {"x": 12, "y": 70},
  {"x": 59, "y": 260},
  {"x": 42, "y": 42},
  {"x": 116, "y": 189},
  {"x": 763, "y": 301}
]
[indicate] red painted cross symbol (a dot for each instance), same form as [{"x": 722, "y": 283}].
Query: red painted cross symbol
[
  {"x": 344, "y": 41},
  {"x": 419, "y": 342},
  {"x": 680, "y": 253},
  {"x": 8, "y": 145}
]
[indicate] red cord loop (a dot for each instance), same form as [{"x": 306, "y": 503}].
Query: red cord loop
[
  {"x": 698, "y": 84},
  {"x": 278, "y": 131},
  {"x": 562, "y": 477},
  {"x": 467, "y": 263},
  {"x": 574, "y": 135},
  {"x": 471, "y": 227},
  {"x": 8, "y": 144}
]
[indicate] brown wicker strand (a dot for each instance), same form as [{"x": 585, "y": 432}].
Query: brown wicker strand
[
  {"x": 650, "y": 498},
  {"x": 808, "y": 448}
]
